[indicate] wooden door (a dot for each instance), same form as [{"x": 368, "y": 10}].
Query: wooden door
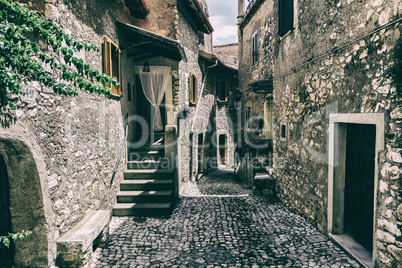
[
  {"x": 6, "y": 254},
  {"x": 359, "y": 183}
]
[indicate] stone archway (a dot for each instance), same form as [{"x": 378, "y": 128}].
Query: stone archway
[{"x": 26, "y": 204}]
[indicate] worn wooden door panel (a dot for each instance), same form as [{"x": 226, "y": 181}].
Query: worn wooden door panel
[{"x": 359, "y": 183}]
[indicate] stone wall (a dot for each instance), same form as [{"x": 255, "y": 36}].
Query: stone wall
[
  {"x": 162, "y": 18},
  {"x": 189, "y": 40},
  {"x": 75, "y": 141},
  {"x": 228, "y": 54},
  {"x": 331, "y": 63}
]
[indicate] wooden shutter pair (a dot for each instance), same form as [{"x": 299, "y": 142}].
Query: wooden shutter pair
[
  {"x": 193, "y": 88},
  {"x": 285, "y": 16},
  {"x": 222, "y": 90},
  {"x": 111, "y": 63}
]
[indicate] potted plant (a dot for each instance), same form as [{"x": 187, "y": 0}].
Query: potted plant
[{"x": 183, "y": 111}]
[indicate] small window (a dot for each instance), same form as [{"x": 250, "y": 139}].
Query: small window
[
  {"x": 285, "y": 16},
  {"x": 111, "y": 63},
  {"x": 193, "y": 88},
  {"x": 254, "y": 47},
  {"x": 222, "y": 90},
  {"x": 283, "y": 131},
  {"x": 201, "y": 39}
]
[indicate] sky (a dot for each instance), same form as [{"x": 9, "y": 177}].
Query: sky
[{"x": 223, "y": 17}]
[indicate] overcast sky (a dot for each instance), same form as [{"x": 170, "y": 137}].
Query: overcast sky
[{"x": 223, "y": 17}]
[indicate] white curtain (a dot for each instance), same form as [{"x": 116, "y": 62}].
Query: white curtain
[{"x": 154, "y": 87}]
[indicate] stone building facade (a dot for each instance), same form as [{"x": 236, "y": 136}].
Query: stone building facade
[{"x": 324, "y": 62}]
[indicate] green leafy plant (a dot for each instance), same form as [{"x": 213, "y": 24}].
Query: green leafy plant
[
  {"x": 22, "y": 59},
  {"x": 6, "y": 240},
  {"x": 394, "y": 71}
]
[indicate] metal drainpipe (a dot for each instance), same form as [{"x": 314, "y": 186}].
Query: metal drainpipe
[{"x": 195, "y": 117}]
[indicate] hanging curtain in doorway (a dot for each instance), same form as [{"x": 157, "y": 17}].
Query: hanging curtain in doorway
[{"x": 154, "y": 86}]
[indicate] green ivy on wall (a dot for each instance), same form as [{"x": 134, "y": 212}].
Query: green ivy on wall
[
  {"x": 394, "y": 71},
  {"x": 22, "y": 60}
]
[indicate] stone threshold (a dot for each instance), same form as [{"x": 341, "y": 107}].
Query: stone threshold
[{"x": 357, "y": 251}]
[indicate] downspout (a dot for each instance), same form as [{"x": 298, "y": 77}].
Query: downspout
[{"x": 195, "y": 118}]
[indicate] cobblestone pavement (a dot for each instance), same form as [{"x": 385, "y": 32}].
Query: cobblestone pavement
[
  {"x": 213, "y": 231},
  {"x": 219, "y": 182}
]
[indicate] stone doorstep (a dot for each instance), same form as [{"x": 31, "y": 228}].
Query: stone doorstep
[
  {"x": 86, "y": 231},
  {"x": 263, "y": 180},
  {"x": 354, "y": 249}
]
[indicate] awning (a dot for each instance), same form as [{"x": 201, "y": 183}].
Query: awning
[
  {"x": 142, "y": 44},
  {"x": 138, "y": 8},
  {"x": 193, "y": 10},
  {"x": 212, "y": 57},
  {"x": 263, "y": 86}
]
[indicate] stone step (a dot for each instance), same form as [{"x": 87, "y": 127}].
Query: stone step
[
  {"x": 149, "y": 164},
  {"x": 144, "y": 196},
  {"x": 151, "y": 184},
  {"x": 143, "y": 174},
  {"x": 142, "y": 209},
  {"x": 146, "y": 155}
]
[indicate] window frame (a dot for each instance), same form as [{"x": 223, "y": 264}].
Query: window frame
[
  {"x": 193, "y": 88},
  {"x": 254, "y": 48},
  {"x": 286, "y": 20},
  {"x": 222, "y": 92},
  {"x": 109, "y": 64}
]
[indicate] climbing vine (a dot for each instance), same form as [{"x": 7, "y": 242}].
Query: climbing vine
[
  {"x": 22, "y": 59},
  {"x": 394, "y": 71},
  {"x": 14, "y": 236}
]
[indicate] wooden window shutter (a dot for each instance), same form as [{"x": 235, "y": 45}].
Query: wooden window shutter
[
  {"x": 190, "y": 88},
  {"x": 195, "y": 89},
  {"x": 111, "y": 63},
  {"x": 106, "y": 56},
  {"x": 285, "y": 16},
  {"x": 227, "y": 90}
]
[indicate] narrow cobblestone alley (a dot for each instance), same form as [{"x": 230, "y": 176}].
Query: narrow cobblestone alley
[{"x": 220, "y": 231}]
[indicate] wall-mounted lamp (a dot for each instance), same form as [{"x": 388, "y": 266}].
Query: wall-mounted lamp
[{"x": 146, "y": 67}]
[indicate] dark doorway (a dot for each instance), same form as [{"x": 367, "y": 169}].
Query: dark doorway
[
  {"x": 6, "y": 254},
  {"x": 144, "y": 110},
  {"x": 200, "y": 153},
  {"x": 222, "y": 149},
  {"x": 359, "y": 183}
]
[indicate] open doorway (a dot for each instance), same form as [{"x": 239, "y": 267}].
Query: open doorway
[
  {"x": 359, "y": 183},
  {"x": 200, "y": 153},
  {"x": 222, "y": 149},
  {"x": 145, "y": 111}
]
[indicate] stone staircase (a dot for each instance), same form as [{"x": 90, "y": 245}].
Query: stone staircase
[{"x": 148, "y": 186}]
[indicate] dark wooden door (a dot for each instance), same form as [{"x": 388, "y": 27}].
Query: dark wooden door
[
  {"x": 359, "y": 183},
  {"x": 6, "y": 254}
]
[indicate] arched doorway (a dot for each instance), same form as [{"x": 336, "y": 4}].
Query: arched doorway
[
  {"x": 6, "y": 254},
  {"x": 24, "y": 202}
]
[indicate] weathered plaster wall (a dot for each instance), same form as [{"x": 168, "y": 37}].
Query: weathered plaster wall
[
  {"x": 346, "y": 81},
  {"x": 75, "y": 141}
]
